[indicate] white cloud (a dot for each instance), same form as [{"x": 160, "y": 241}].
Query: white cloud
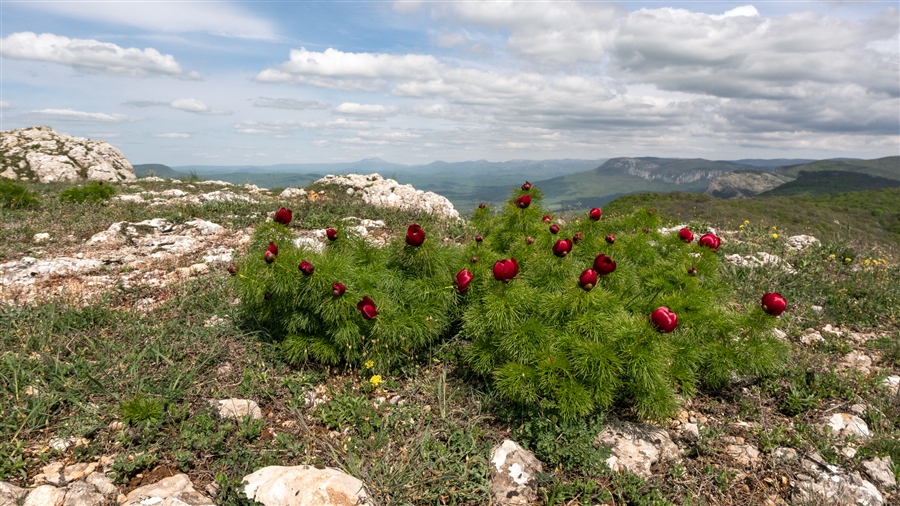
[
  {"x": 173, "y": 135},
  {"x": 5, "y": 105},
  {"x": 197, "y": 107},
  {"x": 371, "y": 110},
  {"x": 290, "y": 103},
  {"x": 81, "y": 116},
  {"x": 284, "y": 128},
  {"x": 92, "y": 56},
  {"x": 218, "y": 18}
]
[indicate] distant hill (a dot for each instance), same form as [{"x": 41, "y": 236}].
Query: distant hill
[
  {"x": 888, "y": 167},
  {"x": 773, "y": 163},
  {"x": 827, "y": 182},
  {"x": 158, "y": 170},
  {"x": 744, "y": 183}
]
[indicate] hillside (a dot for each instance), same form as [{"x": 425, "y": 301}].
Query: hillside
[
  {"x": 864, "y": 218},
  {"x": 825, "y": 182},
  {"x": 743, "y": 183},
  {"x": 158, "y": 170},
  {"x": 888, "y": 167}
]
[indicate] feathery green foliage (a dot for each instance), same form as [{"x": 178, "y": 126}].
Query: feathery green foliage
[
  {"x": 92, "y": 193},
  {"x": 14, "y": 196}
]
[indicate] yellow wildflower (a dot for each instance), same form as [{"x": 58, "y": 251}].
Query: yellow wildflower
[
  {"x": 746, "y": 222},
  {"x": 376, "y": 380},
  {"x": 774, "y": 236},
  {"x": 741, "y": 227},
  {"x": 868, "y": 261},
  {"x": 370, "y": 364},
  {"x": 774, "y": 227},
  {"x": 848, "y": 259}
]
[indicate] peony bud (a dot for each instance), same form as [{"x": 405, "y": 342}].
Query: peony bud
[
  {"x": 664, "y": 320},
  {"x": 505, "y": 270},
  {"x": 588, "y": 279},
  {"x": 596, "y": 213},
  {"x": 546, "y": 219},
  {"x": 331, "y": 234},
  {"x": 562, "y": 247},
  {"x": 577, "y": 237},
  {"x": 283, "y": 216},
  {"x": 479, "y": 238},
  {"x": 306, "y": 268},
  {"x": 645, "y": 230},
  {"x": 271, "y": 253},
  {"x": 526, "y": 186},
  {"x": 233, "y": 270},
  {"x": 523, "y": 201},
  {"x": 710, "y": 241},
  {"x": 554, "y": 229},
  {"x": 415, "y": 236},
  {"x": 338, "y": 289},
  {"x": 610, "y": 238},
  {"x": 686, "y": 235},
  {"x": 774, "y": 303},
  {"x": 482, "y": 205},
  {"x": 474, "y": 260},
  {"x": 529, "y": 240},
  {"x": 692, "y": 271},
  {"x": 604, "y": 265},
  {"x": 367, "y": 307},
  {"x": 462, "y": 279}
]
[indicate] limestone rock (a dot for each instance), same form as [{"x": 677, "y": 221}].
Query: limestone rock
[
  {"x": 831, "y": 485},
  {"x": 636, "y": 447},
  {"x": 237, "y": 408},
  {"x": 46, "y": 495},
  {"x": 743, "y": 183},
  {"x": 379, "y": 192},
  {"x": 784, "y": 455},
  {"x": 42, "y": 154},
  {"x": 291, "y": 193},
  {"x": 879, "y": 471},
  {"x": 11, "y": 495},
  {"x": 513, "y": 475},
  {"x": 743, "y": 454},
  {"x": 800, "y": 242},
  {"x": 759, "y": 259},
  {"x": 304, "y": 486},
  {"x": 856, "y": 361},
  {"x": 891, "y": 384},
  {"x": 82, "y": 493},
  {"x": 844, "y": 425},
  {"x": 175, "y": 490}
]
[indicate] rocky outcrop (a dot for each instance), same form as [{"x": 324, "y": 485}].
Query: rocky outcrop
[
  {"x": 304, "y": 486},
  {"x": 379, "y": 192},
  {"x": 743, "y": 184},
  {"x": 514, "y": 475},
  {"x": 39, "y": 153}
]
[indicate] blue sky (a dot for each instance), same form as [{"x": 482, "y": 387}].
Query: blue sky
[{"x": 235, "y": 83}]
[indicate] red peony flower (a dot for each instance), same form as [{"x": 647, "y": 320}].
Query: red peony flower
[
  {"x": 774, "y": 303},
  {"x": 479, "y": 238},
  {"x": 604, "y": 265},
  {"x": 664, "y": 320},
  {"x": 562, "y": 247},
  {"x": 546, "y": 219},
  {"x": 588, "y": 279},
  {"x": 306, "y": 268},
  {"x": 577, "y": 237},
  {"x": 526, "y": 186},
  {"x": 463, "y": 278},
  {"x": 692, "y": 271},
  {"x": 595, "y": 214},
  {"x": 686, "y": 235},
  {"x": 367, "y": 307},
  {"x": 505, "y": 270},
  {"x": 233, "y": 270},
  {"x": 554, "y": 229},
  {"x": 271, "y": 253},
  {"x": 415, "y": 236},
  {"x": 482, "y": 205},
  {"x": 710, "y": 241},
  {"x": 523, "y": 201},
  {"x": 331, "y": 234},
  {"x": 283, "y": 216},
  {"x": 338, "y": 289},
  {"x": 610, "y": 238}
]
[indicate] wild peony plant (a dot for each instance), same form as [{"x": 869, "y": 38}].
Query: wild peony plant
[{"x": 579, "y": 331}]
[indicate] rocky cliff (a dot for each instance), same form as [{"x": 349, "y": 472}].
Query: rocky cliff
[
  {"x": 745, "y": 183},
  {"x": 39, "y": 153}
]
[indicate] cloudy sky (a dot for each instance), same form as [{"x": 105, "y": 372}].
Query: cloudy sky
[{"x": 231, "y": 83}]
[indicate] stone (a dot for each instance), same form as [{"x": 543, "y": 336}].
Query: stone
[
  {"x": 743, "y": 454},
  {"x": 41, "y": 153},
  {"x": 46, "y": 495},
  {"x": 291, "y": 193},
  {"x": 800, "y": 242},
  {"x": 304, "y": 486},
  {"x": 891, "y": 384},
  {"x": 82, "y": 493},
  {"x": 759, "y": 259},
  {"x": 844, "y": 425},
  {"x": 41, "y": 237},
  {"x": 11, "y": 495},
  {"x": 878, "y": 470},
  {"x": 784, "y": 455},
  {"x": 237, "y": 408},
  {"x": 379, "y": 192},
  {"x": 103, "y": 485},
  {"x": 811, "y": 337},
  {"x": 691, "y": 432},
  {"x": 636, "y": 447},
  {"x": 514, "y": 474},
  {"x": 836, "y": 490},
  {"x": 176, "y": 490}
]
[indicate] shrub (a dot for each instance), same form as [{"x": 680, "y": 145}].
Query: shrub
[
  {"x": 93, "y": 192},
  {"x": 15, "y": 196},
  {"x": 543, "y": 332}
]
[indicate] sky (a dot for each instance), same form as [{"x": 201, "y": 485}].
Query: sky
[{"x": 268, "y": 82}]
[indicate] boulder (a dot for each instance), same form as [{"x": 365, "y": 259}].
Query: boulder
[
  {"x": 379, "y": 192},
  {"x": 825, "y": 484},
  {"x": 304, "y": 486},
  {"x": 636, "y": 447},
  {"x": 237, "y": 408},
  {"x": 879, "y": 471},
  {"x": 175, "y": 490},
  {"x": 513, "y": 475},
  {"x": 39, "y": 153},
  {"x": 11, "y": 495}
]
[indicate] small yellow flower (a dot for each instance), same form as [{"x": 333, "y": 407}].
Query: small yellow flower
[
  {"x": 774, "y": 236},
  {"x": 868, "y": 261},
  {"x": 875, "y": 262},
  {"x": 741, "y": 227},
  {"x": 774, "y": 227},
  {"x": 370, "y": 364},
  {"x": 376, "y": 380},
  {"x": 848, "y": 259},
  {"x": 746, "y": 222},
  {"x": 831, "y": 256}
]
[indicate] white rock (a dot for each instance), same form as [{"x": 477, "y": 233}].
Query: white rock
[
  {"x": 304, "y": 486},
  {"x": 174, "y": 192},
  {"x": 237, "y": 408},
  {"x": 129, "y": 198},
  {"x": 892, "y": 384},
  {"x": 290, "y": 193},
  {"x": 879, "y": 471},
  {"x": 743, "y": 454},
  {"x": 45, "y": 495},
  {"x": 636, "y": 447},
  {"x": 175, "y": 490},
  {"x": 844, "y": 425},
  {"x": 801, "y": 242},
  {"x": 41, "y": 237},
  {"x": 380, "y": 192},
  {"x": 11, "y": 495},
  {"x": 514, "y": 474}
]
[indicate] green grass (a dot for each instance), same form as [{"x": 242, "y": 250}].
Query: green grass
[
  {"x": 15, "y": 196},
  {"x": 70, "y": 370}
]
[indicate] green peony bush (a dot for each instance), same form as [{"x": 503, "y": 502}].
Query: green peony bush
[{"x": 569, "y": 317}]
